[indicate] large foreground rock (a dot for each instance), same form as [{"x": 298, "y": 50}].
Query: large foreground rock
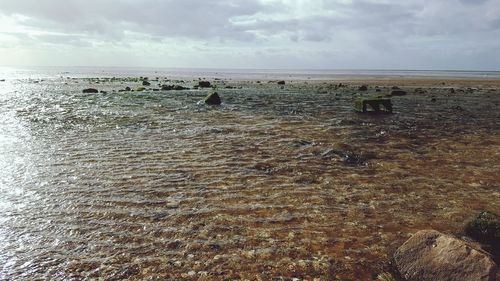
[{"x": 432, "y": 256}]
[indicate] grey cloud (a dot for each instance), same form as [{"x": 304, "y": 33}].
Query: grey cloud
[
  {"x": 473, "y": 2},
  {"x": 188, "y": 18},
  {"x": 390, "y": 30}
]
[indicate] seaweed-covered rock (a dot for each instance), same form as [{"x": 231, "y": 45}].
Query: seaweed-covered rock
[
  {"x": 204, "y": 84},
  {"x": 90, "y": 91},
  {"x": 213, "y": 99},
  {"x": 398, "y": 93},
  {"x": 146, "y": 83},
  {"x": 180, "y": 88},
  {"x": 485, "y": 228},
  {"x": 173, "y": 87},
  {"x": 140, "y": 89},
  {"x": 363, "y": 88},
  {"x": 431, "y": 256}
]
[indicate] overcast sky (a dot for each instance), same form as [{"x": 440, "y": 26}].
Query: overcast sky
[{"x": 300, "y": 34}]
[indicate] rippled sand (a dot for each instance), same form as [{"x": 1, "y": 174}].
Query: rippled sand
[{"x": 277, "y": 183}]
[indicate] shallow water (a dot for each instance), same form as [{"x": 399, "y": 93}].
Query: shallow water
[{"x": 274, "y": 184}]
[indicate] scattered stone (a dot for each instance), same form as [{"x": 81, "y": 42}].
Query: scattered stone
[
  {"x": 180, "y": 88},
  {"x": 128, "y": 89},
  {"x": 452, "y": 90},
  {"x": 90, "y": 91},
  {"x": 395, "y": 87},
  {"x": 204, "y": 84},
  {"x": 485, "y": 228},
  {"x": 2, "y": 80},
  {"x": 433, "y": 99},
  {"x": 213, "y": 99},
  {"x": 398, "y": 93},
  {"x": 299, "y": 143},
  {"x": 347, "y": 157},
  {"x": 363, "y": 88},
  {"x": 146, "y": 83},
  {"x": 375, "y": 104},
  {"x": 140, "y": 89},
  {"x": 281, "y": 82},
  {"x": 432, "y": 256},
  {"x": 173, "y": 87}
]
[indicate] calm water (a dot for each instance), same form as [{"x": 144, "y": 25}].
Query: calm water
[{"x": 276, "y": 183}]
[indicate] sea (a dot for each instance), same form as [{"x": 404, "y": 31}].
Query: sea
[{"x": 280, "y": 182}]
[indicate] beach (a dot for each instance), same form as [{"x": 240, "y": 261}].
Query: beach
[{"x": 281, "y": 181}]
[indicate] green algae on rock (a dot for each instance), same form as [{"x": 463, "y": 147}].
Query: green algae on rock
[
  {"x": 373, "y": 104},
  {"x": 485, "y": 228}
]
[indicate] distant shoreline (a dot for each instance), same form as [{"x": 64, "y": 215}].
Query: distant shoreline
[{"x": 253, "y": 74}]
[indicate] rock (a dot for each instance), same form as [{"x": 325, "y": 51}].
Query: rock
[
  {"x": 173, "y": 87},
  {"x": 213, "y": 99},
  {"x": 127, "y": 89},
  {"x": 395, "y": 87},
  {"x": 281, "y": 82},
  {"x": 140, "y": 89},
  {"x": 432, "y": 256},
  {"x": 398, "y": 93},
  {"x": 485, "y": 228},
  {"x": 363, "y": 88},
  {"x": 452, "y": 90},
  {"x": 146, "y": 83},
  {"x": 2, "y": 80},
  {"x": 204, "y": 84},
  {"x": 180, "y": 88},
  {"x": 374, "y": 104},
  {"x": 90, "y": 91}
]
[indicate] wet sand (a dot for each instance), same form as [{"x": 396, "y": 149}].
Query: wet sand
[{"x": 280, "y": 182}]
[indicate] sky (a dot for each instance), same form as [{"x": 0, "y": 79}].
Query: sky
[{"x": 265, "y": 34}]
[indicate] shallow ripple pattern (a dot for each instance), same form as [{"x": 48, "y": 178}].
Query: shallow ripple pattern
[{"x": 155, "y": 186}]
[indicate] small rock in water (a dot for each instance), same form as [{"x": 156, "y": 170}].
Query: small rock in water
[
  {"x": 127, "y": 89},
  {"x": 146, "y": 83},
  {"x": 213, "y": 99},
  {"x": 363, "y": 88},
  {"x": 90, "y": 91},
  {"x": 180, "y": 88},
  {"x": 2, "y": 80},
  {"x": 398, "y": 93},
  {"x": 432, "y": 256},
  {"x": 204, "y": 84},
  {"x": 281, "y": 82}
]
